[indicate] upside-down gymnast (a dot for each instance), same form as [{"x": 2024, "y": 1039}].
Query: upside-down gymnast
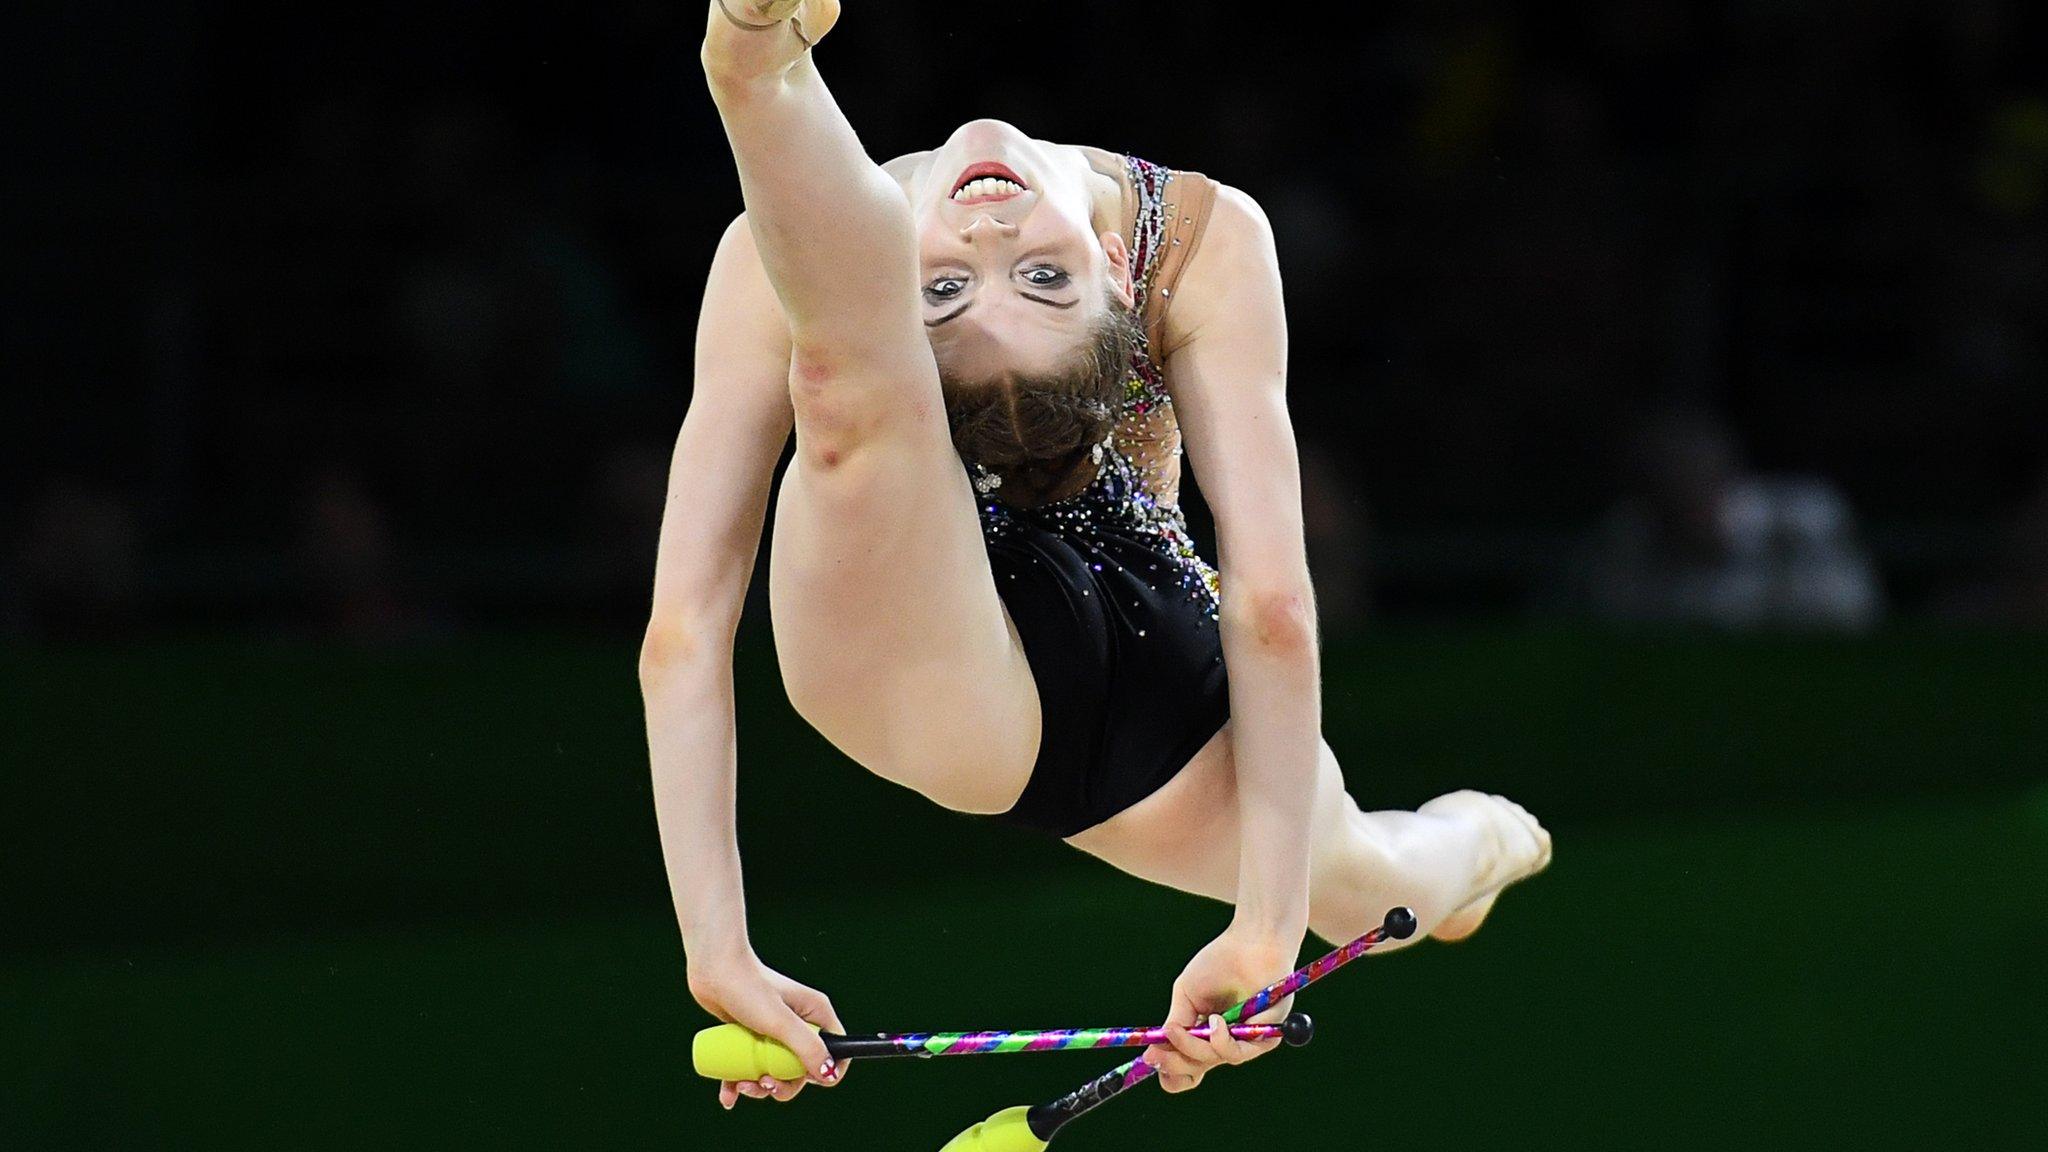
[{"x": 981, "y": 581}]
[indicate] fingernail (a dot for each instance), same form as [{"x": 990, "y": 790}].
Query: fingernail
[
  {"x": 767, "y": 1085},
  {"x": 827, "y": 1071}
]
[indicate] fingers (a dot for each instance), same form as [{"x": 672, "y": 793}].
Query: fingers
[
  {"x": 773, "y": 1018},
  {"x": 730, "y": 1091},
  {"x": 1185, "y": 1058},
  {"x": 766, "y": 1088},
  {"x": 793, "y": 1033},
  {"x": 1177, "y": 1073},
  {"x": 1274, "y": 1015},
  {"x": 816, "y": 1007},
  {"x": 1185, "y": 1045},
  {"x": 1182, "y": 1061},
  {"x": 1227, "y": 1049}
]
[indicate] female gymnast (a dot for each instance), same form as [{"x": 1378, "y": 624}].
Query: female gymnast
[{"x": 1030, "y": 636}]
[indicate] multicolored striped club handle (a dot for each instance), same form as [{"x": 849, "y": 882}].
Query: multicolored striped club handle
[
  {"x": 732, "y": 1052},
  {"x": 1046, "y": 1119},
  {"x": 1294, "y": 1030}
]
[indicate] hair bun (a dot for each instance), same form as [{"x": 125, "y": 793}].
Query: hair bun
[{"x": 1038, "y": 434}]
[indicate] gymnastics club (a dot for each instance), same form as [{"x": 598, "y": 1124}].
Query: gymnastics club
[
  {"x": 1029, "y": 1129},
  {"x": 733, "y": 1052}
]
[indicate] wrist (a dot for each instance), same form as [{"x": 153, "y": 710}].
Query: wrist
[
  {"x": 717, "y": 947},
  {"x": 1280, "y": 926}
]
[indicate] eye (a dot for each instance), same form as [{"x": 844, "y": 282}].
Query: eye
[
  {"x": 944, "y": 288},
  {"x": 1047, "y": 276}
]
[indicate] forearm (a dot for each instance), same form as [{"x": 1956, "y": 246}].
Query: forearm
[
  {"x": 1269, "y": 646},
  {"x": 691, "y": 742}
]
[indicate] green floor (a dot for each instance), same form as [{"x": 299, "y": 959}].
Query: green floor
[{"x": 1862, "y": 979}]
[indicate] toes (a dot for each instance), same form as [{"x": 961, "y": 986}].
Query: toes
[{"x": 1535, "y": 829}]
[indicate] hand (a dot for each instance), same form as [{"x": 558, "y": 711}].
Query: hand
[
  {"x": 747, "y": 992},
  {"x": 1232, "y": 967}
]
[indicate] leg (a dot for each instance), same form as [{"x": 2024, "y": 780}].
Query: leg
[
  {"x": 1446, "y": 861},
  {"x": 892, "y": 641}
]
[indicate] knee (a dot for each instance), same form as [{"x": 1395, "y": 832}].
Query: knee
[{"x": 833, "y": 415}]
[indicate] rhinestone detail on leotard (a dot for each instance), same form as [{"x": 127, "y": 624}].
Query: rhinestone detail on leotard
[{"x": 1124, "y": 497}]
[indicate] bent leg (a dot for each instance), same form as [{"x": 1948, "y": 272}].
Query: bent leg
[
  {"x": 892, "y": 640},
  {"x": 1452, "y": 855}
]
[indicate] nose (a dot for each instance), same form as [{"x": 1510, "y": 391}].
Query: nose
[{"x": 988, "y": 224}]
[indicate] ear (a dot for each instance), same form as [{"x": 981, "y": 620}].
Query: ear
[{"x": 1119, "y": 268}]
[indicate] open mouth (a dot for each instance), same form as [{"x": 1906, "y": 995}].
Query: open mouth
[{"x": 986, "y": 183}]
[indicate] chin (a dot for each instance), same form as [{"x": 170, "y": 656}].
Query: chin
[{"x": 986, "y": 131}]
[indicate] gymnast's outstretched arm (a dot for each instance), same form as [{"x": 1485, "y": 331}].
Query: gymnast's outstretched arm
[
  {"x": 719, "y": 482},
  {"x": 1226, "y": 363}
]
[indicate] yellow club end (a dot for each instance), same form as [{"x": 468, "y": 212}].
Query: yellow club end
[
  {"x": 1006, "y": 1131},
  {"x": 730, "y": 1052}
]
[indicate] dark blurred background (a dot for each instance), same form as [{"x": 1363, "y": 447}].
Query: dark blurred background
[{"x": 1673, "y": 387}]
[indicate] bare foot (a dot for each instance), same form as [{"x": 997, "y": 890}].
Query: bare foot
[
  {"x": 1465, "y": 921},
  {"x": 1520, "y": 849}
]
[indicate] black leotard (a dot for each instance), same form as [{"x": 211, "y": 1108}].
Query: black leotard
[{"x": 1117, "y": 612}]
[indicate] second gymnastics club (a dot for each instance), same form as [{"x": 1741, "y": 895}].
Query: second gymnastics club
[
  {"x": 1030, "y": 1129},
  {"x": 733, "y": 1052}
]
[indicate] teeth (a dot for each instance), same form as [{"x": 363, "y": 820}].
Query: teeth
[{"x": 988, "y": 186}]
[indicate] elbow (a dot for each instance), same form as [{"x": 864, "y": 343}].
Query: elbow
[
  {"x": 670, "y": 644},
  {"x": 1278, "y": 618}
]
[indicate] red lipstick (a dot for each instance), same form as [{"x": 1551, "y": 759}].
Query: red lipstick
[{"x": 988, "y": 169}]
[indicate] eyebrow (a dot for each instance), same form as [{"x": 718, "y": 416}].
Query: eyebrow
[{"x": 955, "y": 313}]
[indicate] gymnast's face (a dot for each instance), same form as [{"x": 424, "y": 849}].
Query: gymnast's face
[{"x": 1013, "y": 274}]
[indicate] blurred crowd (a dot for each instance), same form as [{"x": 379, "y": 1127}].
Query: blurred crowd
[{"x": 379, "y": 326}]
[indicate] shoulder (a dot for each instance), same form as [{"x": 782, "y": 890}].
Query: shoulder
[
  {"x": 1236, "y": 255},
  {"x": 1238, "y": 227}
]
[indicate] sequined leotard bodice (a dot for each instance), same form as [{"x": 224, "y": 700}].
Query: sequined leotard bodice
[
  {"x": 1116, "y": 610},
  {"x": 1137, "y": 486}
]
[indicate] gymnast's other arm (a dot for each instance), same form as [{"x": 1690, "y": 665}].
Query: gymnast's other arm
[
  {"x": 1226, "y": 364},
  {"x": 828, "y": 239},
  {"x": 719, "y": 482}
]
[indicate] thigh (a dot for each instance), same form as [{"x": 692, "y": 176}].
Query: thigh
[
  {"x": 1185, "y": 835},
  {"x": 892, "y": 640}
]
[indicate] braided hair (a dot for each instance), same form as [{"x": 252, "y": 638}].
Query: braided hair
[{"x": 1039, "y": 433}]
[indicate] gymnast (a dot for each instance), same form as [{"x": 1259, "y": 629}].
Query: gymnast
[{"x": 982, "y": 585}]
